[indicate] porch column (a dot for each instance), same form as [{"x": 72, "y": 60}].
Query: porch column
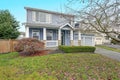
[
  {"x": 44, "y": 36},
  {"x": 27, "y": 32},
  {"x": 79, "y": 38},
  {"x": 93, "y": 40},
  {"x": 59, "y": 36},
  {"x": 44, "y": 33},
  {"x": 71, "y": 37}
]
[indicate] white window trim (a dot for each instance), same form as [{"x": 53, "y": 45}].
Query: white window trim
[{"x": 38, "y": 31}]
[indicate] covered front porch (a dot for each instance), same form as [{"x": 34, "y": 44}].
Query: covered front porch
[
  {"x": 65, "y": 35},
  {"x": 53, "y": 37}
]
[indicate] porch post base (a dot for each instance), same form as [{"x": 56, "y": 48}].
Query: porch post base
[
  {"x": 59, "y": 42},
  {"x": 79, "y": 42},
  {"x": 44, "y": 43},
  {"x": 71, "y": 42}
]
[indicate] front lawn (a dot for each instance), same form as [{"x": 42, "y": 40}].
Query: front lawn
[
  {"x": 72, "y": 66},
  {"x": 109, "y": 48}
]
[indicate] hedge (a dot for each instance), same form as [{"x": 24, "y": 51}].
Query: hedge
[{"x": 71, "y": 49}]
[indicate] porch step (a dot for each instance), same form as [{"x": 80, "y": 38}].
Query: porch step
[{"x": 51, "y": 48}]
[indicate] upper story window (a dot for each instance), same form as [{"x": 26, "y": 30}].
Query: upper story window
[
  {"x": 106, "y": 37},
  {"x": 33, "y": 16},
  {"x": 41, "y": 17},
  {"x": 98, "y": 38},
  {"x": 77, "y": 25}
]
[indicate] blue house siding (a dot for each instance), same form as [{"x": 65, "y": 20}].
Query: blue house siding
[
  {"x": 41, "y": 32},
  {"x": 56, "y": 19}
]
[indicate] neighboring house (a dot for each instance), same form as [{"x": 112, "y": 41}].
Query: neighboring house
[
  {"x": 106, "y": 40},
  {"x": 100, "y": 38},
  {"x": 22, "y": 35},
  {"x": 55, "y": 28}
]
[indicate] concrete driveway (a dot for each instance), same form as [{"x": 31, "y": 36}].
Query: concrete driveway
[
  {"x": 108, "y": 53},
  {"x": 113, "y": 46}
]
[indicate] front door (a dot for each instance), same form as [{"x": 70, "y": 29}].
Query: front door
[{"x": 65, "y": 37}]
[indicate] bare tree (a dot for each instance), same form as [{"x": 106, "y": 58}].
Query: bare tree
[{"x": 102, "y": 16}]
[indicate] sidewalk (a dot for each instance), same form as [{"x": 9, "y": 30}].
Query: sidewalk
[{"x": 108, "y": 53}]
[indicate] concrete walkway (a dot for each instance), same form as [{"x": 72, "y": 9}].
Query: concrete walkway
[{"x": 108, "y": 53}]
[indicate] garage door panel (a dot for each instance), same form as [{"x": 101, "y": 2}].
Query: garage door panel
[{"x": 87, "y": 40}]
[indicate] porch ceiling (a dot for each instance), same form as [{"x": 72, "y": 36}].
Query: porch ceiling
[{"x": 41, "y": 25}]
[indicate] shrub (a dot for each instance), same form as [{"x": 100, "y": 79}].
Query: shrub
[
  {"x": 115, "y": 41},
  {"x": 70, "y": 49},
  {"x": 29, "y": 46}
]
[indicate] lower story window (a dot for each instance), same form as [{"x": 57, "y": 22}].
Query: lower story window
[
  {"x": 49, "y": 35},
  {"x": 36, "y": 34},
  {"x": 75, "y": 35}
]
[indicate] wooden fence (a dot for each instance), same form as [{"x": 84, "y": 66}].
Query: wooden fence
[{"x": 7, "y": 45}]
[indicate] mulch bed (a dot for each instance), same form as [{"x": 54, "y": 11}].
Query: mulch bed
[
  {"x": 38, "y": 53},
  {"x": 41, "y": 53}
]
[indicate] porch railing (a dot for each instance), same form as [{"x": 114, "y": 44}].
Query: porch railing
[{"x": 51, "y": 43}]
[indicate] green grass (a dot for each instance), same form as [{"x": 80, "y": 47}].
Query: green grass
[
  {"x": 58, "y": 67},
  {"x": 109, "y": 48}
]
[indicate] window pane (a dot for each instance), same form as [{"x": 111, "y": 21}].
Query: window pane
[
  {"x": 35, "y": 34},
  {"x": 49, "y": 35},
  {"x": 33, "y": 16},
  {"x": 36, "y": 37},
  {"x": 48, "y": 18},
  {"x": 42, "y": 17},
  {"x": 37, "y": 16}
]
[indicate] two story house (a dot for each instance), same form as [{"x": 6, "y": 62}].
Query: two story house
[{"x": 54, "y": 28}]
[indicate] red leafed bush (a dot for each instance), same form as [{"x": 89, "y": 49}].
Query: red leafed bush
[{"x": 29, "y": 46}]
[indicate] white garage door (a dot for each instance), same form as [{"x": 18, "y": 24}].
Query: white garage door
[{"x": 87, "y": 40}]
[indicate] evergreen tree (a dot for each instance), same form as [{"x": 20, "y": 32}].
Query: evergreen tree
[{"x": 8, "y": 25}]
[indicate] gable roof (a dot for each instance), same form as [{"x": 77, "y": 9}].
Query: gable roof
[
  {"x": 67, "y": 24},
  {"x": 47, "y": 11}
]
